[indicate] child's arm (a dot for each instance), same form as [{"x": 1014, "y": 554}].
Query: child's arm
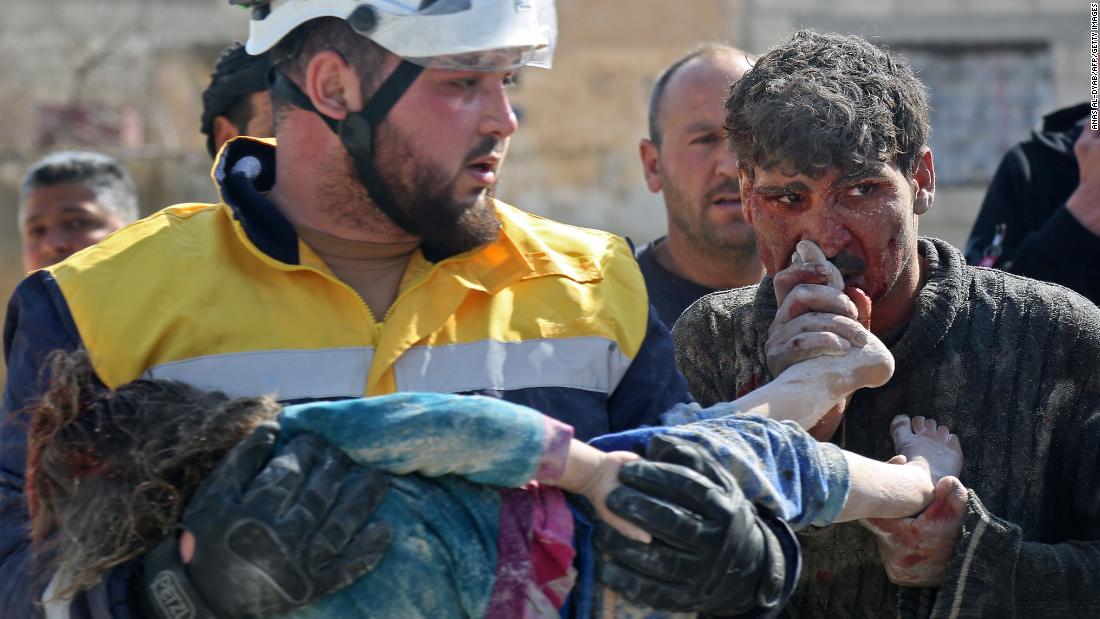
[{"x": 485, "y": 440}]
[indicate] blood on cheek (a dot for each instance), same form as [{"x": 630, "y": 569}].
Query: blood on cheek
[{"x": 774, "y": 238}]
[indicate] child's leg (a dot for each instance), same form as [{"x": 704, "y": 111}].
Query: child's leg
[
  {"x": 807, "y": 390},
  {"x": 903, "y": 486}
]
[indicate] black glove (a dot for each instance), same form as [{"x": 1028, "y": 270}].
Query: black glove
[
  {"x": 270, "y": 535},
  {"x": 711, "y": 552}
]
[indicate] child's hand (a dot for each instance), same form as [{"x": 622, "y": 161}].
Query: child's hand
[{"x": 606, "y": 479}]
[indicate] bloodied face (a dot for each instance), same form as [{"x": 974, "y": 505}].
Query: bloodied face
[{"x": 865, "y": 221}]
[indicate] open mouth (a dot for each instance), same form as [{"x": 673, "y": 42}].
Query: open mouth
[
  {"x": 484, "y": 171},
  {"x": 851, "y": 268},
  {"x": 726, "y": 201}
]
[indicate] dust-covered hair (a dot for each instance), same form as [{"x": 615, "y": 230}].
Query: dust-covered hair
[
  {"x": 109, "y": 472},
  {"x": 822, "y": 100}
]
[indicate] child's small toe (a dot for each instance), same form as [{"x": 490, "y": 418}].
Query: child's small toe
[
  {"x": 954, "y": 443},
  {"x": 901, "y": 430}
]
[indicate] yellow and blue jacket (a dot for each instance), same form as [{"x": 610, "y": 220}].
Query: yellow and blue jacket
[{"x": 227, "y": 297}]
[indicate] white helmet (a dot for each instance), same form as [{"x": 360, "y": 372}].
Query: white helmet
[{"x": 486, "y": 35}]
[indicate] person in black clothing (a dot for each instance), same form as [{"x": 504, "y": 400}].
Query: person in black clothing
[
  {"x": 709, "y": 246},
  {"x": 1041, "y": 215}
]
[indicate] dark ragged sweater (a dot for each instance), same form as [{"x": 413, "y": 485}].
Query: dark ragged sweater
[{"x": 1012, "y": 365}]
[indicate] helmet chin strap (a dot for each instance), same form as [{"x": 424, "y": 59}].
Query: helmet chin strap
[{"x": 356, "y": 130}]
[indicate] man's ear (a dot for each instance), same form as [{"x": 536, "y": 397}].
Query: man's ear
[
  {"x": 746, "y": 189},
  {"x": 924, "y": 180},
  {"x": 651, "y": 161},
  {"x": 223, "y": 131},
  {"x": 332, "y": 85}
]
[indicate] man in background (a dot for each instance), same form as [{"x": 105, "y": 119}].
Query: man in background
[
  {"x": 709, "y": 246},
  {"x": 236, "y": 102},
  {"x": 70, "y": 200},
  {"x": 1041, "y": 214}
]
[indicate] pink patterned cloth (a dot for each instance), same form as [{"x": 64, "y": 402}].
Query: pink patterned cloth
[
  {"x": 557, "y": 437},
  {"x": 534, "y": 553}
]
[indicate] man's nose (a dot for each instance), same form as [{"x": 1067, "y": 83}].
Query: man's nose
[
  {"x": 58, "y": 242},
  {"x": 827, "y": 230},
  {"x": 726, "y": 162},
  {"x": 499, "y": 119}
]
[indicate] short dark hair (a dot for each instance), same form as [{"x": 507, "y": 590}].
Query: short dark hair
[
  {"x": 822, "y": 100},
  {"x": 292, "y": 53},
  {"x": 104, "y": 176},
  {"x": 709, "y": 50},
  {"x": 236, "y": 76}
]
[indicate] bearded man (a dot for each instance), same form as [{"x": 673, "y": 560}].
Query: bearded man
[
  {"x": 366, "y": 255},
  {"x": 832, "y": 135}
]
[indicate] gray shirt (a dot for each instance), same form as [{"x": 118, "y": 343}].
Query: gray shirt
[{"x": 1012, "y": 365}]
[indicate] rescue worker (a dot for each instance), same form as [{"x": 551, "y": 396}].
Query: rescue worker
[{"x": 366, "y": 255}]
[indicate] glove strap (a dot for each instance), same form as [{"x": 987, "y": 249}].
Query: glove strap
[
  {"x": 784, "y": 564},
  {"x": 167, "y": 591}
]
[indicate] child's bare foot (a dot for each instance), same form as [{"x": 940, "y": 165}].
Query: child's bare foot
[
  {"x": 868, "y": 363},
  {"x": 922, "y": 440}
]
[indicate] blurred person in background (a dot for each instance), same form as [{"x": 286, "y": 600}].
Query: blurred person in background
[
  {"x": 709, "y": 246},
  {"x": 237, "y": 101},
  {"x": 1041, "y": 214},
  {"x": 70, "y": 200}
]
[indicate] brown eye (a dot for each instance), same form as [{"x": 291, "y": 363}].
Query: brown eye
[
  {"x": 709, "y": 138},
  {"x": 861, "y": 189},
  {"x": 78, "y": 224}
]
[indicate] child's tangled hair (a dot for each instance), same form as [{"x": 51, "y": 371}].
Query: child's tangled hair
[{"x": 109, "y": 472}]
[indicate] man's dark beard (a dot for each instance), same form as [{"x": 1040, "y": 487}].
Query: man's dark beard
[
  {"x": 425, "y": 206},
  {"x": 847, "y": 263}
]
